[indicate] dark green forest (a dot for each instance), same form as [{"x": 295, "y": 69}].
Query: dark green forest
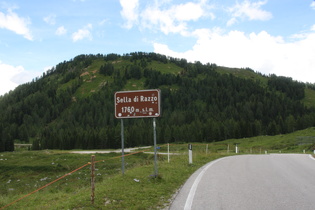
[{"x": 71, "y": 106}]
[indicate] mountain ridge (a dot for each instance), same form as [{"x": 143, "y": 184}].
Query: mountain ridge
[{"x": 71, "y": 105}]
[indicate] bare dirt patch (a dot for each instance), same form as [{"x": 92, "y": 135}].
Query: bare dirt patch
[{"x": 84, "y": 73}]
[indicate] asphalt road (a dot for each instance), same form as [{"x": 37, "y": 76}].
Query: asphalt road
[{"x": 250, "y": 182}]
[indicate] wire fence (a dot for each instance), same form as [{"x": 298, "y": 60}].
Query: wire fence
[{"x": 111, "y": 167}]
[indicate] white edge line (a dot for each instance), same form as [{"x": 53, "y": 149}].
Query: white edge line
[
  {"x": 193, "y": 189},
  {"x": 311, "y": 156}
]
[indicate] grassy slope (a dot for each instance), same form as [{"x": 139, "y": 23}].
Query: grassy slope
[
  {"x": 284, "y": 143},
  {"x": 309, "y": 99},
  {"x": 243, "y": 73},
  {"x": 93, "y": 80},
  {"x": 24, "y": 171}
]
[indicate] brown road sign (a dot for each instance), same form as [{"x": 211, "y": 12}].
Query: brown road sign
[{"x": 137, "y": 104}]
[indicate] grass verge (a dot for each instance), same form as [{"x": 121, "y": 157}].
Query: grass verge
[{"x": 22, "y": 172}]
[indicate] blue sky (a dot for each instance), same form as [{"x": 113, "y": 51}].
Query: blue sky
[{"x": 268, "y": 36}]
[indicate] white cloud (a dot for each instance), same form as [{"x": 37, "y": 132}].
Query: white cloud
[
  {"x": 8, "y": 73},
  {"x": 13, "y": 22},
  {"x": 13, "y": 76},
  {"x": 163, "y": 20},
  {"x": 164, "y": 17},
  {"x": 129, "y": 12},
  {"x": 103, "y": 22},
  {"x": 304, "y": 34},
  {"x": 187, "y": 12},
  {"x": 173, "y": 19},
  {"x": 232, "y": 21},
  {"x": 50, "y": 19},
  {"x": 83, "y": 33},
  {"x": 61, "y": 31},
  {"x": 248, "y": 10},
  {"x": 313, "y": 5},
  {"x": 260, "y": 51}
]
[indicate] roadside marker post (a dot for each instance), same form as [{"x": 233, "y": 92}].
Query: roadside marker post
[
  {"x": 190, "y": 153},
  {"x": 168, "y": 152}
]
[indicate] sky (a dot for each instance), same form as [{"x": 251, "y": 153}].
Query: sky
[{"x": 268, "y": 36}]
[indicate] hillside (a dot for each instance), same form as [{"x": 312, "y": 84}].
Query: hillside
[{"x": 72, "y": 105}]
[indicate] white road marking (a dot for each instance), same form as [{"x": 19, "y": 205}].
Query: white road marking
[
  {"x": 311, "y": 156},
  {"x": 193, "y": 189}
]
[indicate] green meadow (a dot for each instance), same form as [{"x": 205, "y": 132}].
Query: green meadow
[{"x": 54, "y": 179}]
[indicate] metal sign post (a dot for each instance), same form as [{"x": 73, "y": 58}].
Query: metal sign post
[
  {"x": 122, "y": 148},
  {"x": 138, "y": 104},
  {"x": 155, "y": 155}
]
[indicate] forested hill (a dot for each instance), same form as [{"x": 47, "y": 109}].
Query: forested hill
[{"x": 72, "y": 105}]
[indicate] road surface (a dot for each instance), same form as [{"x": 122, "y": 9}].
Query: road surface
[{"x": 250, "y": 182}]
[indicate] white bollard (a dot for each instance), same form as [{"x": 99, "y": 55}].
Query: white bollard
[{"x": 190, "y": 153}]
